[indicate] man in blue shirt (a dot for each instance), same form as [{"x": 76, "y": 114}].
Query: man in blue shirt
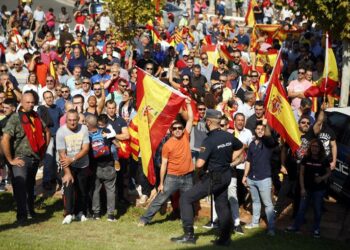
[
  {"x": 101, "y": 75},
  {"x": 66, "y": 97},
  {"x": 257, "y": 175},
  {"x": 77, "y": 60}
]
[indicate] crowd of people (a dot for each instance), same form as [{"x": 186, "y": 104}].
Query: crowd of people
[{"x": 68, "y": 93}]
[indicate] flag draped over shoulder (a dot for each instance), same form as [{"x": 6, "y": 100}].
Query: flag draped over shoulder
[
  {"x": 278, "y": 112},
  {"x": 249, "y": 17},
  {"x": 330, "y": 78},
  {"x": 157, "y": 106}
]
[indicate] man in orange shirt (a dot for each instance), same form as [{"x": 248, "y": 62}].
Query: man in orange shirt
[{"x": 176, "y": 168}]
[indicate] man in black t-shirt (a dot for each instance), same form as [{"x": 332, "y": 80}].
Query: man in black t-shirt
[{"x": 121, "y": 129}]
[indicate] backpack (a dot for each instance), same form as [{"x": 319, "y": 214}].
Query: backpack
[{"x": 99, "y": 145}]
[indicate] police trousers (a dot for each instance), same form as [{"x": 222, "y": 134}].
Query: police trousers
[{"x": 217, "y": 183}]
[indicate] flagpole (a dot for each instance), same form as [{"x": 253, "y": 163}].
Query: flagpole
[{"x": 326, "y": 68}]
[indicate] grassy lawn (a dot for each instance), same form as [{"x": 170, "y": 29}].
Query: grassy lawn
[{"x": 47, "y": 232}]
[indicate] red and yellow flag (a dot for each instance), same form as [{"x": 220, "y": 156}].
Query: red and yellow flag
[
  {"x": 134, "y": 138},
  {"x": 157, "y": 106},
  {"x": 249, "y": 16},
  {"x": 154, "y": 33},
  {"x": 330, "y": 78},
  {"x": 262, "y": 57},
  {"x": 278, "y": 112},
  {"x": 212, "y": 52}
]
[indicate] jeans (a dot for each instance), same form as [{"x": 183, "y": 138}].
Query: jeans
[
  {"x": 317, "y": 198},
  {"x": 232, "y": 199},
  {"x": 75, "y": 195},
  {"x": 50, "y": 165},
  {"x": 104, "y": 175},
  {"x": 262, "y": 188},
  {"x": 172, "y": 183},
  {"x": 217, "y": 184},
  {"x": 23, "y": 182}
]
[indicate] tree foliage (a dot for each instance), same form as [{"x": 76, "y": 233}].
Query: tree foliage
[
  {"x": 127, "y": 14},
  {"x": 330, "y": 15}
]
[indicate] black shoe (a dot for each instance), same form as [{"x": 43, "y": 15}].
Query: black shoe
[
  {"x": 222, "y": 242},
  {"x": 239, "y": 230},
  {"x": 21, "y": 220},
  {"x": 31, "y": 215},
  {"x": 186, "y": 238},
  {"x": 211, "y": 225},
  {"x": 111, "y": 218},
  {"x": 47, "y": 186},
  {"x": 96, "y": 216}
]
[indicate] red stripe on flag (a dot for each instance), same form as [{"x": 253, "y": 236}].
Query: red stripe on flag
[{"x": 139, "y": 88}]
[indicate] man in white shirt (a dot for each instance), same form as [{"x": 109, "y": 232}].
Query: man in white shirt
[
  {"x": 20, "y": 73},
  {"x": 38, "y": 17},
  {"x": 247, "y": 108}
]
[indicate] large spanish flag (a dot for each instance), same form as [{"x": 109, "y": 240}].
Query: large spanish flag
[
  {"x": 330, "y": 78},
  {"x": 263, "y": 57},
  {"x": 157, "y": 106},
  {"x": 249, "y": 16},
  {"x": 278, "y": 110}
]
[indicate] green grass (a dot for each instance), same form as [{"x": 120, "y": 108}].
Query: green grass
[{"x": 47, "y": 232}]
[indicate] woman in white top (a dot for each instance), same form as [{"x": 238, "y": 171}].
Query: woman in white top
[
  {"x": 126, "y": 106},
  {"x": 32, "y": 84}
]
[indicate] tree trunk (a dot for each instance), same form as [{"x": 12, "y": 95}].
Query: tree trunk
[{"x": 345, "y": 80}]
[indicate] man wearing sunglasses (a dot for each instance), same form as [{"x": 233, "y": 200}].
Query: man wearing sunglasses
[
  {"x": 296, "y": 88},
  {"x": 218, "y": 152},
  {"x": 176, "y": 167}
]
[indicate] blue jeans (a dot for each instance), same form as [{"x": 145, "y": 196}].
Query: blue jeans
[
  {"x": 317, "y": 197},
  {"x": 262, "y": 189},
  {"x": 172, "y": 183}
]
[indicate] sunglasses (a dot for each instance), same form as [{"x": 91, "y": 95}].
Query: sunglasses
[
  {"x": 97, "y": 89},
  {"x": 177, "y": 128},
  {"x": 221, "y": 62},
  {"x": 65, "y": 91},
  {"x": 186, "y": 79},
  {"x": 202, "y": 109},
  {"x": 204, "y": 58},
  {"x": 102, "y": 68},
  {"x": 301, "y": 72},
  {"x": 123, "y": 86},
  {"x": 49, "y": 80},
  {"x": 15, "y": 64},
  {"x": 222, "y": 125},
  {"x": 86, "y": 82},
  {"x": 222, "y": 80},
  {"x": 4, "y": 70},
  {"x": 149, "y": 68},
  {"x": 308, "y": 123},
  {"x": 236, "y": 57}
]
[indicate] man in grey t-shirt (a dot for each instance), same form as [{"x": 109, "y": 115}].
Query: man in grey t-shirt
[{"x": 72, "y": 142}]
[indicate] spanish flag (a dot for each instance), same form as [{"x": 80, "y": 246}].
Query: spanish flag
[
  {"x": 330, "y": 78},
  {"x": 134, "y": 138},
  {"x": 265, "y": 57},
  {"x": 157, "y": 106},
  {"x": 278, "y": 112},
  {"x": 212, "y": 52},
  {"x": 154, "y": 33},
  {"x": 249, "y": 16}
]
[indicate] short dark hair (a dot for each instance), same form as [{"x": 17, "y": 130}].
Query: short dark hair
[
  {"x": 238, "y": 114},
  {"x": 102, "y": 118},
  {"x": 11, "y": 102},
  {"x": 259, "y": 103},
  {"x": 79, "y": 96},
  {"x": 110, "y": 101}
]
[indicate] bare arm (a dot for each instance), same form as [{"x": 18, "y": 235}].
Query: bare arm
[
  {"x": 200, "y": 163},
  {"x": 5, "y": 141},
  {"x": 101, "y": 104},
  {"x": 237, "y": 157},
  {"x": 334, "y": 154},
  {"x": 246, "y": 172},
  {"x": 320, "y": 118},
  {"x": 124, "y": 135},
  {"x": 189, "y": 122},
  {"x": 171, "y": 79}
]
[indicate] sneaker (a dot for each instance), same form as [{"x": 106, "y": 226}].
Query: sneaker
[
  {"x": 81, "y": 217},
  {"x": 68, "y": 219},
  {"x": 117, "y": 166},
  {"x": 291, "y": 229},
  {"x": 238, "y": 230},
  {"x": 96, "y": 216},
  {"x": 141, "y": 223},
  {"x": 271, "y": 232},
  {"x": 317, "y": 234},
  {"x": 251, "y": 226},
  {"x": 111, "y": 218},
  {"x": 211, "y": 225},
  {"x": 2, "y": 186},
  {"x": 143, "y": 199}
]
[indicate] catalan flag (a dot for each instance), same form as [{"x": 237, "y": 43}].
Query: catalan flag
[
  {"x": 249, "y": 17},
  {"x": 278, "y": 112},
  {"x": 330, "y": 78},
  {"x": 157, "y": 106}
]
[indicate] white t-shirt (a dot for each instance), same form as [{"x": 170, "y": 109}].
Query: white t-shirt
[
  {"x": 246, "y": 137},
  {"x": 39, "y": 15}
]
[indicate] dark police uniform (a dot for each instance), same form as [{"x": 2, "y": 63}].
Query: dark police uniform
[{"x": 216, "y": 151}]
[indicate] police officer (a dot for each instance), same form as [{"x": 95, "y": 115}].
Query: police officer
[{"x": 218, "y": 151}]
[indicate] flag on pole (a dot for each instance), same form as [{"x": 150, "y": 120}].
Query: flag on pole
[
  {"x": 278, "y": 112},
  {"x": 249, "y": 16},
  {"x": 157, "y": 106},
  {"x": 330, "y": 78},
  {"x": 154, "y": 33}
]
